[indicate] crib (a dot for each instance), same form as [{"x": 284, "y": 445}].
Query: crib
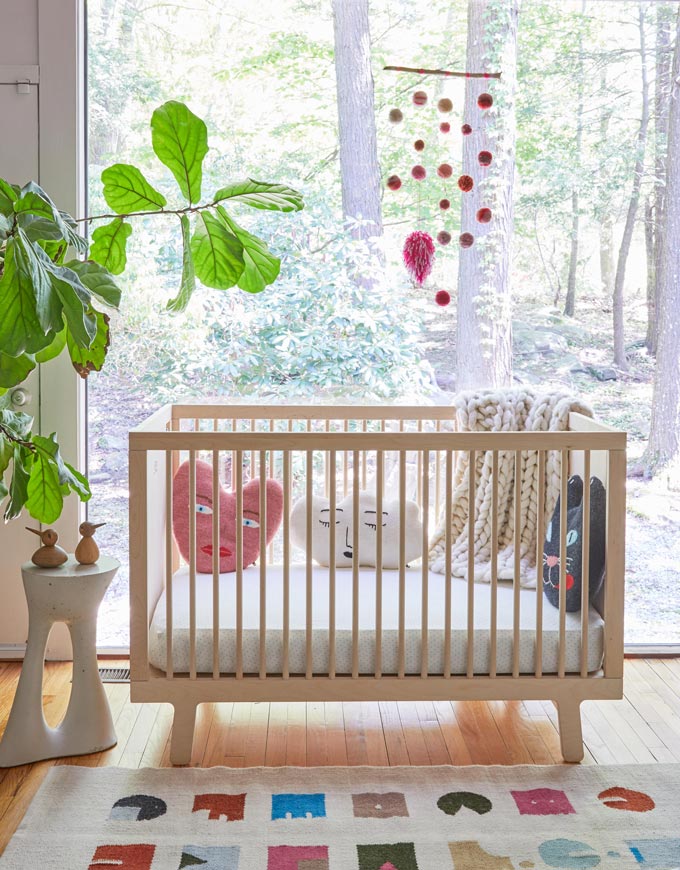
[{"x": 288, "y": 629}]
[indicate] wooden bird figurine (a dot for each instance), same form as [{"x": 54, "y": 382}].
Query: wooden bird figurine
[
  {"x": 87, "y": 551},
  {"x": 49, "y": 555}
]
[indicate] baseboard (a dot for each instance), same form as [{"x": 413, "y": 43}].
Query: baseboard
[{"x": 12, "y": 651}]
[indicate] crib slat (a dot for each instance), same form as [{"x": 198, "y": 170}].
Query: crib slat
[
  {"x": 420, "y": 469},
  {"x": 345, "y": 464},
  {"x": 585, "y": 564},
  {"x": 308, "y": 567},
  {"x": 272, "y": 474},
  {"x": 192, "y": 564},
  {"x": 379, "y": 482},
  {"x": 493, "y": 639},
  {"x": 540, "y": 538},
  {"x": 355, "y": 564},
  {"x": 425, "y": 579},
  {"x": 169, "y": 664},
  {"x": 437, "y": 477},
  {"x": 286, "y": 564},
  {"x": 447, "y": 562},
  {"x": 253, "y": 470},
  {"x": 402, "y": 561},
  {"x": 564, "y": 485},
  {"x": 332, "y": 482},
  {"x": 516, "y": 586},
  {"x": 364, "y": 472},
  {"x": 263, "y": 564},
  {"x": 237, "y": 459},
  {"x": 326, "y": 466},
  {"x": 472, "y": 461},
  {"x": 216, "y": 561}
]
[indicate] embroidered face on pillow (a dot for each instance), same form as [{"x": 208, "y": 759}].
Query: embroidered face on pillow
[
  {"x": 344, "y": 530},
  {"x": 227, "y": 516}
]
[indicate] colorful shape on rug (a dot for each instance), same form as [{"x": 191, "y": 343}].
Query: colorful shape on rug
[
  {"x": 542, "y": 802},
  {"x": 387, "y": 856},
  {"x": 454, "y": 801},
  {"x": 138, "y": 807},
  {"x": 210, "y": 857},
  {"x": 298, "y": 806},
  {"x": 136, "y": 856},
  {"x": 298, "y": 858},
  {"x": 228, "y": 806},
  {"x": 374, "y": 805}
]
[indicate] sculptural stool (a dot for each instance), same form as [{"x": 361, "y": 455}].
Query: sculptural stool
[{"x": 72, "y": 594}]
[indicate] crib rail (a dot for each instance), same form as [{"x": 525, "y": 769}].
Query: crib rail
[{"x": 344, "y": 452}]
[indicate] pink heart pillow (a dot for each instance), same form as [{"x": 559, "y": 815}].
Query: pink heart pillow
[{"x": 204, "y": 518}]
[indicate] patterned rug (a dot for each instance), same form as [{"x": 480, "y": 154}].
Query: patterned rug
[{"x": 474, "y": 818}]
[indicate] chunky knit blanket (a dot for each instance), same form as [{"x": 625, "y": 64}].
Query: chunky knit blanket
[{"x": 503, "y": 411}]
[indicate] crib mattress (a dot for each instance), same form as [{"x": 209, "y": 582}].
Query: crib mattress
[{"x": 343, "y": 636}]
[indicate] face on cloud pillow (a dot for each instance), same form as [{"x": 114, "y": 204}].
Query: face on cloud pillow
[
  {"x": 344, "y": 534},
  {"x": 227, "y": 506}
]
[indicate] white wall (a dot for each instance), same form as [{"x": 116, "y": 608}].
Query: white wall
[{"x": 41, "y": 138}]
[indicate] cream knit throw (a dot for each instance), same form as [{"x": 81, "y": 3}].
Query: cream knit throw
[{"x": 502, "y": 411}]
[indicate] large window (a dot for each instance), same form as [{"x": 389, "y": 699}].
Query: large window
[{"x": 344, "y": 319}]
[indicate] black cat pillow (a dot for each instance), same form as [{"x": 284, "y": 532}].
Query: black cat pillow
[{"x": 551, "y": 546}]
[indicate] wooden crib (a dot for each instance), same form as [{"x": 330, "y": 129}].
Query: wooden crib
[{"x": 288, "y": 630}]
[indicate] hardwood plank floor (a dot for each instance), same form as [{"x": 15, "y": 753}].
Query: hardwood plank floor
[{"x": 644, "y": 727}]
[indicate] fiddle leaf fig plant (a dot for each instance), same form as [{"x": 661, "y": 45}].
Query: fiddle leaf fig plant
[{"x": 57, "y": 289}]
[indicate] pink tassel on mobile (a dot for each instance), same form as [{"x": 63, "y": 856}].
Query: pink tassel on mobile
[{"x": 419, "y": 255}]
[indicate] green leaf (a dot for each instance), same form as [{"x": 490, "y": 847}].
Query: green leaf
[
  {"x": 30, "y": 313},
  {"x": 44, "y": 499},
  {"x": 15, "y": 369},
  {"x": 262, "y": 194},
  {"x": 52, "y": 350},
  {"x": 6, "y": 454},
  {"x": 188, "y": 284},
  {"x": 108, "y": 245},
  {"x": 90, "y": 359},
  {"x": 180, "y": 141},
  {"x": 16, "y": 423},
  {"x": 217, "y": 253},
  {"x": 67, "y": 474},
  {"x": 18, "y": 488},
  {"x": 34, "y": 202},
  {"x": 261, "y": 266},
  {"x": 8, "y": 196},
  {"x": 5, "y": 226},
  {"x": 126, "y": 190},
  {"x": 98, "y": 281}
]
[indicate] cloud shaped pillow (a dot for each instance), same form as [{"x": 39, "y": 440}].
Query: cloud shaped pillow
[
  {"x": 344, "y": 530},
  {"x": 204, "y": 517}
]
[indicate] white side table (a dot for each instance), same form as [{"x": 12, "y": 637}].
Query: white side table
[{"x": 72, "y": 594}]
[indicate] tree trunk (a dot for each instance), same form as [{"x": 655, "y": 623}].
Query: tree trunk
[
  {"x": 606, "y": 223},
  {"x": 664, "y": 438},
  {"x": 650, "y": 245},
  {"x": 359, "y": 167},
  {"x": 484, "y": 327},
  {"x": 570, "y": 301},
  {"x": 664, "y": 27},
  {"x": 624, "y": 250}
]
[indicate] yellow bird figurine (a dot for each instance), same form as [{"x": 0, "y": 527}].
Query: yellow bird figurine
[
  {"x": 49, "y": 555},
  {"x": 87, "y": 551}
]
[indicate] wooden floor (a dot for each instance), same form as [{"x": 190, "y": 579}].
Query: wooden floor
[{"x": 642, "y": 728}]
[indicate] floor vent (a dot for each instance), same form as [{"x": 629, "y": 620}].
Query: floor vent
[{"x": 115, "y": 675}]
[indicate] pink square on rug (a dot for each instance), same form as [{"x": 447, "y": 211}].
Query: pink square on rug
[{"x": 298, "y": 858}]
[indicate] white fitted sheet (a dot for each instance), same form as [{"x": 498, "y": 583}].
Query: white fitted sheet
[{"x": 343, "y": 635}]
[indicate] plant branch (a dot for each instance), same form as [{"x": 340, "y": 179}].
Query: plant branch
[
  {"x": 11, "y": 437},
  {"x": 178, "y": 212}
]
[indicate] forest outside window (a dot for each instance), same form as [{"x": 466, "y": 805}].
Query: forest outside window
[{"x": 568, "y": 290}]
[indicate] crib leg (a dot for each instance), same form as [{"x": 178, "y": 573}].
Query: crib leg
[
  {"x": 571, "y": 735},
  {"x": 182, "y": 738}
]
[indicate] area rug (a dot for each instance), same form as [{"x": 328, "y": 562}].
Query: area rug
[{"x": 471, "y": 818}]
